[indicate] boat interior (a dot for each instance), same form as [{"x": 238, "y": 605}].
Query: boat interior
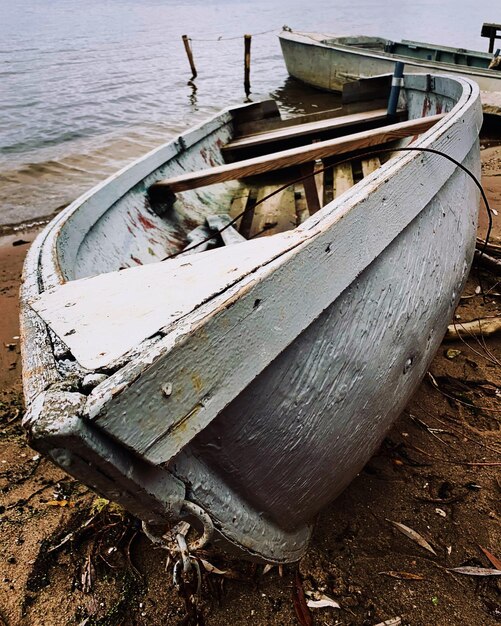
[
  {"x": 417, "y": 50},
  {"x": 245, "y": 175},
  {"x": 289, "y": 169},
  {"x": 248, "y": 164}
]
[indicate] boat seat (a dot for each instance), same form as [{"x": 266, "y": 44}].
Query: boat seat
[
  {"x": 293, "y": 157},
  {"x": 306, "y": 131}
]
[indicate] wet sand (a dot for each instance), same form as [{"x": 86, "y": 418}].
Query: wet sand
[
  {"x": 435, "y": 472},
  {"x": 13, "y": 249}
]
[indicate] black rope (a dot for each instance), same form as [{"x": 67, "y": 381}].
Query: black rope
[{"x": 352, "y": 158}]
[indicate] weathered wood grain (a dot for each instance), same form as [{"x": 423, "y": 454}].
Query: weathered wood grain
[
  {"x": 297, "y": 156},
  {"x": 39, "y": 366},
  {"x": 306, "y": 129},
  {"x": 302, "y": 213},
  {"x": 276, "y": 214},
  {"x": 370, "y": 165},
  {"x": 310, "y": 187},
  {"x": 342, "y": 178}
]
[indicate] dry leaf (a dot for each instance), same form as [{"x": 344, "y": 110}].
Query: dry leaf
[
  {"x": 87, "y": 576},
  {"x": 300, "y": 606},
  {"x": 268, "y": 567},
  {"x": 476, "y": 571},
  {"x": 323, "y": 602},
  {"x": 212, "y": 569},
  {"x": 433, "y": 380},
  {"x": 394, "y": 621},
  {"x": 494, "y": 560},
  {"x": 67, "y": 538},
  {"x": 412, "y": 534},
  {"x": 62, "y": 503},
  {"x": 403, "y": 575},
  {"x": 227, "y": 573}
]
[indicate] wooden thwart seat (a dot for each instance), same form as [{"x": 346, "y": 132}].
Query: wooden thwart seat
[
  {"x": 305, "y": 130},
  {"x": 296, "y": 156}
]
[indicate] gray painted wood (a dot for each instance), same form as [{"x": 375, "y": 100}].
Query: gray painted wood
[
  {"x": 324, "y": 61},
  {"x": 298, "y": 367},
  {"x": 297, "y": 156}
]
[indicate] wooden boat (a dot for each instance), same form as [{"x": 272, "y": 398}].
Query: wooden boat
[
  {"x": 329, "y": 62},
  {"x": 243, "y": 387}
]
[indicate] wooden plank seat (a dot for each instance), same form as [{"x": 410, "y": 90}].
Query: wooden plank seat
[
  {"x": 244, "y": 128},
  {"x": 293, "y": 157},
  {"x": 307, "y": 130}
]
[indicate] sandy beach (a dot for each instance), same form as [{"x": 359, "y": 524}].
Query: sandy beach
[{"x": 67, "y": 557}]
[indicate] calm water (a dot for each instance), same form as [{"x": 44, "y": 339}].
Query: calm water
[{"x": 85, "y": 87}]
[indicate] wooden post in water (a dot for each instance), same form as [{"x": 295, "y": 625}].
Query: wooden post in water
[
  {"x": 247, "y": 59},
  {"x": 493, "y": 32},
  {"x": 189, "y": 54}
]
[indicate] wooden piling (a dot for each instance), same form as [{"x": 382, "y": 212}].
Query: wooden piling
[
  {"x": 492, "y": 32},
  {"x": 189, "y": 54},
  {"x": 247, "y": 60}
]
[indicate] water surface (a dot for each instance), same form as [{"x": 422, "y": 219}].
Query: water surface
[{"x": 85, "y": 87}]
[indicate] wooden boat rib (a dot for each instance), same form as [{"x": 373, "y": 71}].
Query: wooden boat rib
[
  {"x": 252, "y": 380},
  {"x": 329, "y": 61}
]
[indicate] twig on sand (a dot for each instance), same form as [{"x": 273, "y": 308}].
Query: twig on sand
[
  {"x": 488, "y": 262},
  {"x": 468, "y": 404},
  {"x": 464, "y": 435},
  {"x": 476, "y": 328}
]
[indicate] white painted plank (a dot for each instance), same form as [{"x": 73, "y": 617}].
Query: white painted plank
[{"x": 102, "y": 318}]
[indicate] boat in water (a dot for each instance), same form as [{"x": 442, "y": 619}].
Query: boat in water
[
  {"x": 224, "y": 331},
  {"x": 329, "y": 61}
]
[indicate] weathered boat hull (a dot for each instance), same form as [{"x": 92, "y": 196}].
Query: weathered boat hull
[
  {"x": 331, "y": 65},
  {"x": 286, "y": 381}
]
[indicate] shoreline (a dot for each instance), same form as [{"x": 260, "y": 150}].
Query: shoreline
[
  {"x": 28, "y": 227},
  {"x": 13, "y": 249}
]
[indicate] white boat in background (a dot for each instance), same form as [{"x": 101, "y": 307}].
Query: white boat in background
[
  {"x": 329, "y": 61},
  {"x": 243, "y": 387}
]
